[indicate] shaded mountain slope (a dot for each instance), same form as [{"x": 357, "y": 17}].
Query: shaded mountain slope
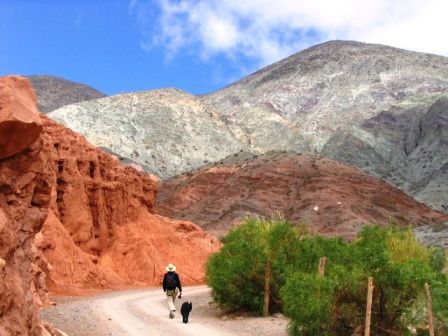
[
  {"x": 409, "y": 150},
  {"x": 54, "y": 92},
  {"x": 330, "y": 197}
]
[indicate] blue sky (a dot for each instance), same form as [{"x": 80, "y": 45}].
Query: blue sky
[
  {"x": 93, "y": 42},
  {"x": 196, "y": 45}
]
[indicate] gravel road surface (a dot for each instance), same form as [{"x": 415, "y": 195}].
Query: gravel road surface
[{"x": 145, "y": 312}]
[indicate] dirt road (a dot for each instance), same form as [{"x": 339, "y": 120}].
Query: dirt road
[{"x": 145, "y": 312}]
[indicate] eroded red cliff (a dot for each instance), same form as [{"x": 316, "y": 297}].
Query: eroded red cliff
[
  {"x": 24, "y": 200},
  {"x": 101, "y": 230}
]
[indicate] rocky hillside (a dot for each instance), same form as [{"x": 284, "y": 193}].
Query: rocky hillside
[
  {"x": 409, "y": 150},
  {"x": 372, "y": 106},
  {"x": 54, "y": 92},
  {"x": 330, "y": 197},
  {"x": 72, "y": 217},
  {"x": 329, "y": 87},
  {"x": 379, "y": 108},
  {"x": 165, "y": 131}
]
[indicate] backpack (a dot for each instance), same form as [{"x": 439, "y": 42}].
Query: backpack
[{"x": 170, "y": 281}]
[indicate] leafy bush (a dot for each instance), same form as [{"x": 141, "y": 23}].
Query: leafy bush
[
  {"x": 274, "y": 258},
  {"x": 400, "y": 266},
  {"x": 309, "y": 313},
  {"x": 237, "y": 274}
]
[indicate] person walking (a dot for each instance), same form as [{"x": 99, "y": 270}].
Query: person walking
[{"x": 172, "y": 287}]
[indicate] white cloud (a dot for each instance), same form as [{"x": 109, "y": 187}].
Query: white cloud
[
  {"x": 266, "y": 31},
  {"x": 220, "y": 33}
]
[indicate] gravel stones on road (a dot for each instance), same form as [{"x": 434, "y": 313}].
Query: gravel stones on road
[{"x": 83, "y": 316}]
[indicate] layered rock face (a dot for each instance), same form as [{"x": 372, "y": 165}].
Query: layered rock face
[
  {"x": 54, "y": 92},
  {"x": 71, "y": 216},
  {"x": 330, "y": 197},
  {"x": 165, "y": 131},
  {"x": 24, "y": 199}
]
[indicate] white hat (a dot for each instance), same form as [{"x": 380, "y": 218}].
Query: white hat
[{"x": 170, "y": 268}]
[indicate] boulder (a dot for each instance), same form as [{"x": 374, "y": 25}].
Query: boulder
[{"x": 19, "y": 119}]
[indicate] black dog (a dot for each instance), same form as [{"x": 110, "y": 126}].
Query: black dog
[{"x": 185, "y": 310}]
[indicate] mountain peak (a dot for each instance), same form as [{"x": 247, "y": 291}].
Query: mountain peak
[
  {"x": 54, "y": 92},
  {"x": 355, "y": 102},
  {"x": 327, "y": 57}
]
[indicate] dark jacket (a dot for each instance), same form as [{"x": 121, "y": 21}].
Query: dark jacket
[{"x": 176, "y": 279}]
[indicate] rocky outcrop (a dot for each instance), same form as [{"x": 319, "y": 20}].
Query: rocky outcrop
[
  {"x": 19, "y": 119},
  {"x": 54, "y": 92},
  {"x": 72, "y": 217},
  {"x": 24, "y": 200},
  {"x": 330, "y": 197},
  {"x": 165, "y": 131}
]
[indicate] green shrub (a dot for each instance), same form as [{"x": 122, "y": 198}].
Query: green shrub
[
  {"x": 265, "y": 266},
  {"x": 237, "y": 273},
  {"x": 400, "y": 266},
  {"x": 309, "y": 313}
]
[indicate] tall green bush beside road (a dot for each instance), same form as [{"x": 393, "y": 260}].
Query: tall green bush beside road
[
  {"x": 266, "y": 266},
  {"x": 238, "y": 273}
]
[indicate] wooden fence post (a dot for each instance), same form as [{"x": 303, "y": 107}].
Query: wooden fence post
[
  {"x": 446, "y": 263},
  {"x": 267, "y": 284},
  {"x": 430, "y": 317},
  {"x": 322, "y": 262},
  {"x": 369, "y": 307}
]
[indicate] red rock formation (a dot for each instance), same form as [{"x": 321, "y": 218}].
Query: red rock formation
[
  {"x": 146, "y": 245},
  {"x": 101, "y": 230},
  {"x": 92, "y": 218},
  {"x": 330, "y": 197},
  {"x": 24, "y": 199},
  {"x": 19, "y": 118}
]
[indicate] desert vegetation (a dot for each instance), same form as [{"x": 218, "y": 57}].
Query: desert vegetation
[{"x": 271, "y": 266}]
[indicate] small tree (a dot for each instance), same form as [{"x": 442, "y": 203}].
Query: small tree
[
  {"x": 400, "y": 265},
  {"x": 249, "y": 270}
]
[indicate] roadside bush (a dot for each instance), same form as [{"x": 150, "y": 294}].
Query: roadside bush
[
  {"x": 249, "y": 270},
  {"x": 309, "y": 313},
  {"x": 400, "y": 266},
  {"x": 267, "y": 266}
]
